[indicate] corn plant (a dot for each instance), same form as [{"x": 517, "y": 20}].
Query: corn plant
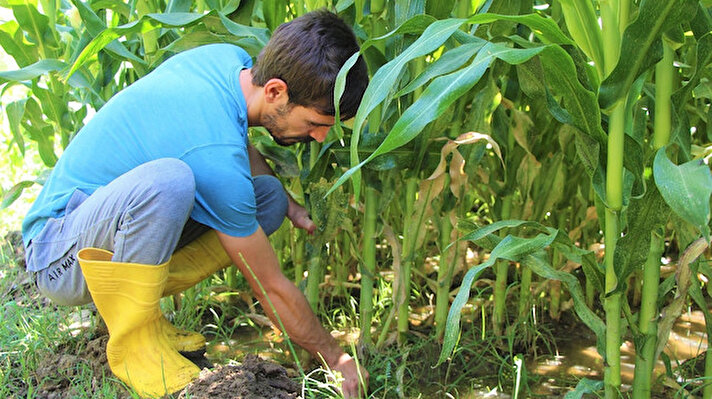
[
  {"x": 590, "y": 116},
  {"x": 594, "y": 87}
]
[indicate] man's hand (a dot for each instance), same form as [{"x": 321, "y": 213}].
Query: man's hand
[
  {"x": 299, "y": 216},
  {"x": 351, "y": 386}
]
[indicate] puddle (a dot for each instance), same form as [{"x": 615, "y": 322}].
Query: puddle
[
  {"x": 578, "y": 358},
  {"x": 268, "y": 344}
]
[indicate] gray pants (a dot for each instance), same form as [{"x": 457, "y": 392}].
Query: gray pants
[{"x": 142, "y": 217}]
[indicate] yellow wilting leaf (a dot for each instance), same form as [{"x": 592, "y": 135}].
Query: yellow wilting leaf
[
  {"x": 471, "y": 137},
  {"x": 458, "y": 177}
]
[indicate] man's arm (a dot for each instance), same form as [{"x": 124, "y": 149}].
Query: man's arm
[
  {"x": 295, "y": 212},
  {"x": 257, "y": 261}
]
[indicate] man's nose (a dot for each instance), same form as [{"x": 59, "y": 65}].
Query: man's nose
[{"x": 319, "y": 133}]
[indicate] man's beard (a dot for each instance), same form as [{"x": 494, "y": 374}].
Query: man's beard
[{"x": 271, "y": 122}]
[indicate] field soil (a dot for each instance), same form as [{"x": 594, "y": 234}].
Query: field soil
[{"x": 254, "y": 378}]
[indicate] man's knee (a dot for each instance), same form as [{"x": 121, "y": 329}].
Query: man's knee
[
  {"x": 271, "y": 202},
  {"x": 168, "y": 184},
  {"x": 170, "y": 176}
]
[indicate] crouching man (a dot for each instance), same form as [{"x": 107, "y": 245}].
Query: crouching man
[{"x": 162, "y": 188}]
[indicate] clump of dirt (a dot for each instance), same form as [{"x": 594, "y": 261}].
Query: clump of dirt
[{"x": 255, "y": 378}]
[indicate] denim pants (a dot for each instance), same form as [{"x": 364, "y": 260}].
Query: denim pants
[{"x": 142, "y": 217}]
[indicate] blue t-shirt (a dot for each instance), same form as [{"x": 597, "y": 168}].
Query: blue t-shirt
[{"x": 191, "y": 108}]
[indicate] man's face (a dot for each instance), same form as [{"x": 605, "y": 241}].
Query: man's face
[{"x": 291, "y": 124}]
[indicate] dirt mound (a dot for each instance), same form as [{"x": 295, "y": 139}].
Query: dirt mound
[{"x": 255, "y": 378}]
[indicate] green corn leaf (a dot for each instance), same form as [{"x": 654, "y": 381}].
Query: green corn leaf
[
  {"x": 492, "y": 228},
  {"x": 260, "y": 34},
  {"x": 53, "y": 106},
  {"x": 540, "y": 266},
  {"x": 15, "y": 111},
  {"x": 385, "y": 79},
  {"x": 644, "y": 215},
  {"x": 438, "y": 96},
  {"x": 439, "y": 9},
  {"x": 11, "y": 40},
  {"x": 11, "y": 195},
  {"x": 582, "y": 22},
  {"x": 117, "y": 6},
  {"x": 528, "y": 171},
  {"x": 342, "y": 5},
  {"x": 448, "y": 62},
  {"x": 544, "y": 28},
  {"x": 641, "y": 47},
  {"x": 550, "y": 187},
  {"x": 40, "y": 132},
  {"x": 580, "y": 103},
  {"x": 172, "y": 20},
  {"x": 153, "y": 21},
  {"x": 510, "y": 248},
  {"x": 589, "y": 152},
  {"x": 686, "y": 189},
  {"x": 43, "y": 67},
  {"x": 33, "y": 71},
  {"x": 583, "y": 387},
  {"x": 191, "y": 40},
  {"x": 703, "y": 52},
  {"x": 387, "y": 76},
  {"x": 178, "y": 6},
  {"x": 415, "y": 25},
  {"x": 37, "y": 27},
  {"x": 406, "y": 9},
  {"x": 275, "y": 13},
  {"x": 45, "y": 144},
  {"x": 284, "y": 160},
  {"x": 96, "y": 26},
  {"x": 452, "y": 325},
  {"x": 339, "y": 87},
  {"x": 435, "y": 34}
]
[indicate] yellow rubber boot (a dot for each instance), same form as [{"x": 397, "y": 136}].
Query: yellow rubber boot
[
  {"x": 195, "y": 262},
  {"x": 188, "y": 266},
  {"x": 127, "y": 296},
  {"x": 180, "y": 339}
]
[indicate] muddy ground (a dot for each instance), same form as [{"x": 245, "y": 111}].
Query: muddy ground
[{"x": 254, "y": 378}]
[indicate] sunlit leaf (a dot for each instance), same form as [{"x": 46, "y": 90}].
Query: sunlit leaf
[
  {"x": 15, "y": 111},
  {"x": 448, "y": 62},
  {"x": 11, "y": 195},
  {"x": 686, "y": 189},
  {"x": 641, "y": 47}
]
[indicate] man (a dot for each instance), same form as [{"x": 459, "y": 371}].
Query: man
[{"x": 157, "y": 192}]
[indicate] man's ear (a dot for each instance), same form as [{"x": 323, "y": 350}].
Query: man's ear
[{"x": 275, "y": 91}]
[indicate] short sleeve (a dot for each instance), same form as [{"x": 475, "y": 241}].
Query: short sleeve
[{"x": 224, "y": 192}]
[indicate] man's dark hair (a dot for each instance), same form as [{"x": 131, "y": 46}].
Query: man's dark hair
[{"x": 307, "y": 54}]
